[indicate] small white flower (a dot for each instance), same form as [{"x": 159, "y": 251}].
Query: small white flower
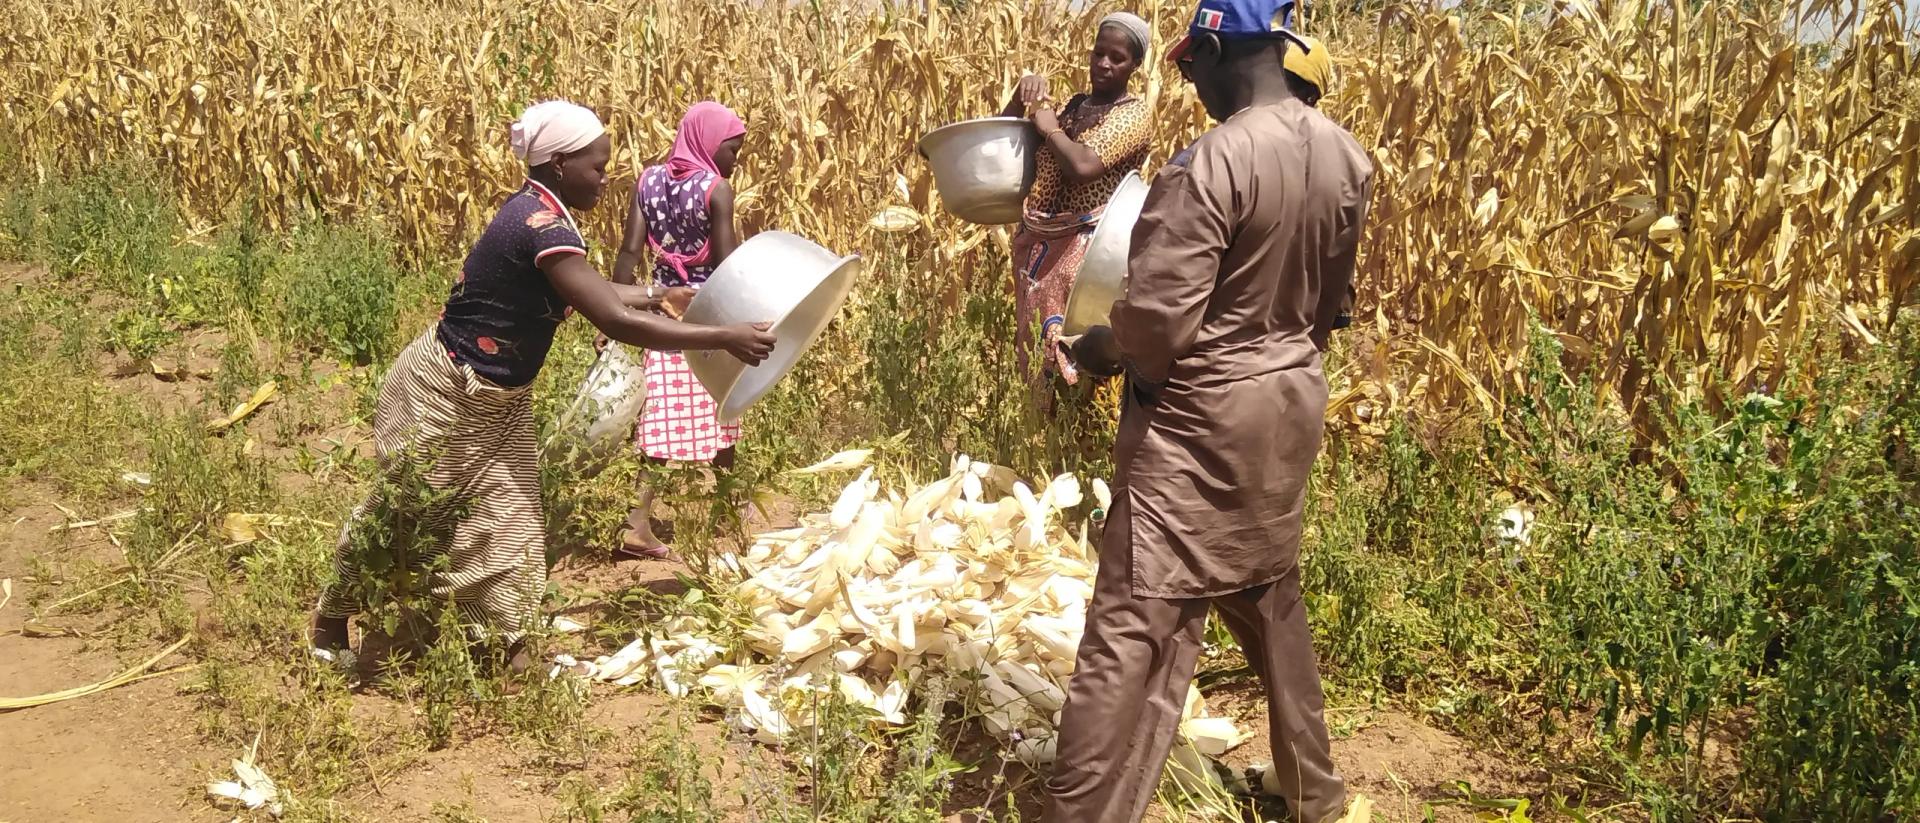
[{"x": 1516, "y": 524}]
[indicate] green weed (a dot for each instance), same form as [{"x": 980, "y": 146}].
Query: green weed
[
  {"x": 666, "y": 781},
  {"x": 116, "y": 223},
  {"x": 332, "y": 291},
  {"x": 58, "y": 421}
]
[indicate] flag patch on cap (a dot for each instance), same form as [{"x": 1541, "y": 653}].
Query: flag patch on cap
[{"x": 1209, "y": 19}]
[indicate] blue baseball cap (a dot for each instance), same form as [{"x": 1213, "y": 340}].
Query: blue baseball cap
[{"x": 1239, "y": 20}]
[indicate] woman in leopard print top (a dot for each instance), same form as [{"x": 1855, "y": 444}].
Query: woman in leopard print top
[{"x": 1091, "y": 144}]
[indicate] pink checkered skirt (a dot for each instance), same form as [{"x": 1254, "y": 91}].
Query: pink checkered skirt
[{"x": 680, "y": 422}]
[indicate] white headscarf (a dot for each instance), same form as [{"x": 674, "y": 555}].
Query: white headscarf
[
  {"x": 554, "y": 127},
  {"x": 1139, "y": 34}
]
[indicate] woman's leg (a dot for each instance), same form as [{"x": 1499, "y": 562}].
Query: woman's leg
[
  {"x": 640, "y": 538},
  {"x": 650, "y": 433},
  {"x": 492, "y": 532},
  {"x": 337, "y": 604},
  {"x": 339, "y": 601}
]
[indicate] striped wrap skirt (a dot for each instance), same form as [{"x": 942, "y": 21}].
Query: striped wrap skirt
[{"x": 460, "y": 486}]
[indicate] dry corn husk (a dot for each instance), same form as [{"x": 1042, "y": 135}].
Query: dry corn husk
[
  {"x": 261, "y": 396},
  {"x": 975, "y": 574},
  {"x": 131, "y": 675},
  {"x": 844, "y": 461},
  {"x": 252, "y": 790},
  {"x": 245, "y": 527}
]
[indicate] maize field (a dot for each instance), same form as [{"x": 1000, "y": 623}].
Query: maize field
[
  {"x": 1616, "y": 517},
  {"x": 1676, "y": 190}
]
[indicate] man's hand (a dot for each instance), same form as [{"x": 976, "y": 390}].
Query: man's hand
[
  {"x": 749, "y": 343},
  {"x": 1345, "y": 318},
  {"x": 600, "y": 341},
  {"x": 1097, "y": 352}
]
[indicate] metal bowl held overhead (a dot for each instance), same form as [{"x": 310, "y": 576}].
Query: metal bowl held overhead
[
  {"x": 1103, "y": 273},
  {"x": 777, "y": 278},
  {"x": 983, "y": 168}
]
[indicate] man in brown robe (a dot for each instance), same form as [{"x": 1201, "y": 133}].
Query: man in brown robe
[{"x": 1240, "y": 262}]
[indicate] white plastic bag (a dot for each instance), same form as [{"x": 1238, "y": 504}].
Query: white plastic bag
[{"x": 600, "y": 421}]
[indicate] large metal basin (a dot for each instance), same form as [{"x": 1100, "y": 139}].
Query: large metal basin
[
  {"x": 777, "y": 278},
  {"x": 983, "y": 168},
  {"x": 1103, "y": 273}
]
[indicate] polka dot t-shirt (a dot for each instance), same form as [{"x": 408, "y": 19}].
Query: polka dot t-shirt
[
  {"x": 501, "y": 314},
  {"x": 678, "y": 219}
]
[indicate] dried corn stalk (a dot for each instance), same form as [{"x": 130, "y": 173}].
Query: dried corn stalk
[{"x": 1679, "y": 183}]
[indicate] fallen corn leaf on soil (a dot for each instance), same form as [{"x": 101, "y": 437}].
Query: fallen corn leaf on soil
[{"x": 147, "y": 751}]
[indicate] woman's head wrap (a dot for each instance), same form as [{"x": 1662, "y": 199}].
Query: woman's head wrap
[
  {"x": 1139, "y": 34},
  {"x": 551, "y": 128},
  {"x": 705, "y": 126}
]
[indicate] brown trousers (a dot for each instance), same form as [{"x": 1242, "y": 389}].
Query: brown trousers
[{"x": 1136, "y": 662}]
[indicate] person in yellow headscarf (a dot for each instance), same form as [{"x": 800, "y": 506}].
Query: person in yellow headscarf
[{"x": 1309, "y": 71}]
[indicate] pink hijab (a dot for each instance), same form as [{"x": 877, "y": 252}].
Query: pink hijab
[{"x": 706, "y": 126}]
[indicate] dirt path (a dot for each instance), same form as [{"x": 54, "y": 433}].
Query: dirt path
[{"x": 129, "y": 755}]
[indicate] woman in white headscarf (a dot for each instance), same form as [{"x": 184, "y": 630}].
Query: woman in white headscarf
[
  {"x": 460, "y": 494},
  {"x": 1091, "y": 143}
]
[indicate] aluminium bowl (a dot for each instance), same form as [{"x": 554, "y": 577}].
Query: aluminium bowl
[
  {"x": 1103, "y": 272},
  {"x": 983, "y": 168},
  {"x": 777, "y": 278}
]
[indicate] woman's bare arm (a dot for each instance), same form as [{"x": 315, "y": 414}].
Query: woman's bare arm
[
  {"x": 596, "y": 299},
  {"x": 722, "y": 239},
  {"x": 636, "y": 297},
  {"x": 633, "y": 243},
  {"x": 1030, "y": 91},
  {"x": 1079, "y": 163}
]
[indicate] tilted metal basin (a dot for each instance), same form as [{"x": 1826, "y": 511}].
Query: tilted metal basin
[
  {"x": 777, "y": 278},
  {"x": 1103, "y": 272},
  {"x": 983, "y": 168}
]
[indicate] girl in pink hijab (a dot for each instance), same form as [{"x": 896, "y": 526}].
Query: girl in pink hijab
[{"x": 682, "y": 213}]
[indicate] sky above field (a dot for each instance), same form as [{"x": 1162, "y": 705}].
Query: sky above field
[{"x": 1817, "y": 28}]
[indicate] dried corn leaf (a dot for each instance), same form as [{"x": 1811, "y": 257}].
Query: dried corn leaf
[
  {"x": 133, "y": 674},
  {"x": 261, "y": 396},
  {"x": 844, "y": 461}
]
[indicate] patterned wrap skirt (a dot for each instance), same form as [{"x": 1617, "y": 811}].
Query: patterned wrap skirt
[
  {"x": 1047, "y": 253},
  {"x": 681, "y": 422},
  {"x": 472, "y": 443}
]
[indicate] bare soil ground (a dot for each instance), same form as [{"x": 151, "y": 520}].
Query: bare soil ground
[
  {"x": 132, "y": 754},
  {"x": 136, "y": 754}
]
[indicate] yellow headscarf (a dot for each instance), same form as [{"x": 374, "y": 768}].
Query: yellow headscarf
[{"x": 1311, "y": 63}]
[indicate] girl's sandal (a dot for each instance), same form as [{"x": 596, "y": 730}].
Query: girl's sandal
[{"x": 636, "y": 551}]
